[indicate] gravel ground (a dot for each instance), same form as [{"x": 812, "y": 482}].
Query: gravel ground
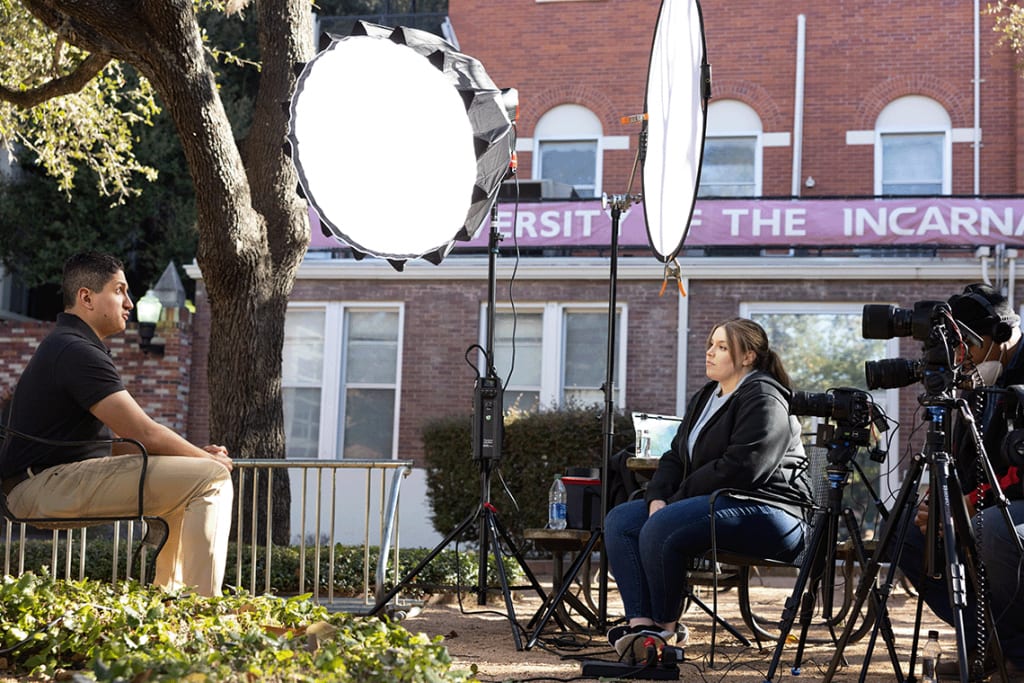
[{"x": 482, "y": 636}]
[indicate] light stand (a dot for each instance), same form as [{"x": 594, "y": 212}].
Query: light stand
[
  {"x": 617, "y": 204},
  {"x": 487, "y": 438}
]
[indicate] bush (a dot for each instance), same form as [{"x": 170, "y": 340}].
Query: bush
[
  {"x": 536, "y": 447},
  {"x": 127, "y": 632}
]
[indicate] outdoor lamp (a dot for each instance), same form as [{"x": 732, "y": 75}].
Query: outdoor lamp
[{"x": 147, "y": 310}]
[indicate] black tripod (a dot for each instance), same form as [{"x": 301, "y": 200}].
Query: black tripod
[
  {"x": 947, "y": 518},
  {"x": 487, "y": 437},
  {"x": 817, "y": 571}
]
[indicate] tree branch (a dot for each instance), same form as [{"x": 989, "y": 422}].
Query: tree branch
[{"x": 65, "y": 85}]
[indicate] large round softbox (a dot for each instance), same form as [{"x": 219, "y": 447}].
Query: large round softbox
[
  {"x": 678, "y": 87},
  {"x": 400, "y": 141}
]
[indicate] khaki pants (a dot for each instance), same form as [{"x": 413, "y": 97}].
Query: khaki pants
[{"x": 193, "y": 495}]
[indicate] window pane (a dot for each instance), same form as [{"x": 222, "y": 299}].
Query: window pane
[
  {"x": 586, "y": 397},
  {"x": 301, "y": 422},
  {"x": 527, "y": 336},
  {"x": 821, "y": 351},
  {"x": 586, "y": 348},
  {"x": 912, "y": 163},
  {"x": 727, "y": 169},
  {"x": 572, "y": 162},
  {"x": 371, "y": 347},
  {"x": 303, "y": 351},
  {"x": 521, "y": 401},
  {"x": 369, "y": 422}
]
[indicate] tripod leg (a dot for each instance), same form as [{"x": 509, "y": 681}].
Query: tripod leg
[
  {"x": 386, "y": 598},
  {"x": 956, "y": 583},
  {"x": 492, "y": 525},
  {"x": 567, "y": 580},
  {"x": 789, "y": 611},
  {"x": 870, "y": 571},
  {"x": 877, "y": 613},
  {"x": 717, "y": 617}
]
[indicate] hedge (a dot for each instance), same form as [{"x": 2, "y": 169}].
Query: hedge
[{"x": 536, "y": 447}]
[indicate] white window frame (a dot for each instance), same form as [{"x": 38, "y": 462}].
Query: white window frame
[
  {"x": 332, "y": 388},
  {"x": 915, "y": 114},
  {"x": 735, "y": 119},
  {"x": 552, "y": 389},
  {"x": 890, "y": 476},
  {"x": 570, "y": 123}
]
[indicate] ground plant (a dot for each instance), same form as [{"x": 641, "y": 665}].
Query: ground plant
[
  {"x": 90, "y": 630},
  {"x": 447, "y": 570}
]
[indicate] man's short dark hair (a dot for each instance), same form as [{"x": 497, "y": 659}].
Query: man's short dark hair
[{"x": 90, "y": 269}]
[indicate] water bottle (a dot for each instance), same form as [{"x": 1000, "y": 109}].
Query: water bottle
[
  {"x": 556, "y": 504},
  {"x": 930, "y": 655},
  {"x": 643, "y": 449}
]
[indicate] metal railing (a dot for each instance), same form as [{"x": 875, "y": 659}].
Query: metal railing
[
  {"x": 315, "y": 536},
  {"x": 323, "y": 469}
]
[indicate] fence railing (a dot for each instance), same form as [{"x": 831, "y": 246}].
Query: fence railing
[{"x": 314, "y": 521}]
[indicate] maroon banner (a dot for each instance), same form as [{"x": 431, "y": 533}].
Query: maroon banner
[{"x": 770, "y": 223}]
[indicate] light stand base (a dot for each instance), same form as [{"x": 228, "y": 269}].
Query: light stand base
[{"x": 656, "y": 668}]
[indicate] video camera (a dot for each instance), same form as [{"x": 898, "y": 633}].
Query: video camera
[
  {"x": 930, "y": 322},
  {"x": 852, "y": 410}
]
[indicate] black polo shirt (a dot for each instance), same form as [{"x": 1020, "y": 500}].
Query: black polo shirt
[{"x": 70, "y": 372}]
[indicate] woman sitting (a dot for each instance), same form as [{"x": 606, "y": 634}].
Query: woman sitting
[{"x": 736, "y": 433}]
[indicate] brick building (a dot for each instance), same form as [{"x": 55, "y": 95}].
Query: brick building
[{"x": 857, "y": 152}]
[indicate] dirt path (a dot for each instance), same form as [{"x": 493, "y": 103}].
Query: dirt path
[{"x": 483, "y": 636}]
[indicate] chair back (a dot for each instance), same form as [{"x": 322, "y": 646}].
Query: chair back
[{"x": 817, "y": 469}]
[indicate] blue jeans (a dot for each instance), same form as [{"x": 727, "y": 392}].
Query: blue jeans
[
  {"x": 649, "y": 555},
  {"x": 1004, "y": 574}
]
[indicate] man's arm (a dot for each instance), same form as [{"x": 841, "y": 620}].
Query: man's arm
[{"x": 126, "y": 418}]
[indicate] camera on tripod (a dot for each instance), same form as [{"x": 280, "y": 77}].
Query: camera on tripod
[
  {"x": 853, "y": 411},
  {"x": 930, "y": 322}
]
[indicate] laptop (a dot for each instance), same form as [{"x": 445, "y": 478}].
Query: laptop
[{"x": 654, "y": 433}]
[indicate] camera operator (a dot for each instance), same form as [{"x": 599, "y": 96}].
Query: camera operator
[{"x": 998, "y": 363}]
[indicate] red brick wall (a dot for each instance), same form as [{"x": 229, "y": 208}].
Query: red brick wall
[
  {"x": 161, "y": 385},
  {"x": 860, "y": 57}
]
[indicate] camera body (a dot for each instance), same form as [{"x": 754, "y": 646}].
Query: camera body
[{"x": 852, "y": 410}]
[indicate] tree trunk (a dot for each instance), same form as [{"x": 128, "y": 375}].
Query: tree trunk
[{"x": 253, "y": 227}]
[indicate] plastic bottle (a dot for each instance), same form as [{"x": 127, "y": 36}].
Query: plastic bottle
[
  {"x": 556, "y": 504},
  {"x": 644, "y": 451},
  {"x": 930, "y": 655}
]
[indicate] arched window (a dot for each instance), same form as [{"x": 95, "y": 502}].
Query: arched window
[
  {"x": 568, "y": 149},
  {"x": 732, "y": 151},
  {"x": 913, "y": 148}
]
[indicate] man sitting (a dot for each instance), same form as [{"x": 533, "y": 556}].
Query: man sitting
[{"x": 71, "y": 391}]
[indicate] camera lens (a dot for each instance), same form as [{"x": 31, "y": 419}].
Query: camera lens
[
  {"x": 891, "y": 373},
  {"x": 881, "y": 321},
  {"x": 807, "y": 403}
]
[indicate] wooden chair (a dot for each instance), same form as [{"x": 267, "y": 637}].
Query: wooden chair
[{"x": 155, "y": 529}]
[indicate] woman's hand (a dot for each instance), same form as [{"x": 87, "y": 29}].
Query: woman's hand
[{"x": 654, "y": 506}]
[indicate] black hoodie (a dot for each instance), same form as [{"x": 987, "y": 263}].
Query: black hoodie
[{"x": 752, "y": 443}]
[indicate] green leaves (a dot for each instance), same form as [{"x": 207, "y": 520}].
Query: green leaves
[
  {"x": 128, "y": 632},
  {"x": 92, "y": 127}
]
